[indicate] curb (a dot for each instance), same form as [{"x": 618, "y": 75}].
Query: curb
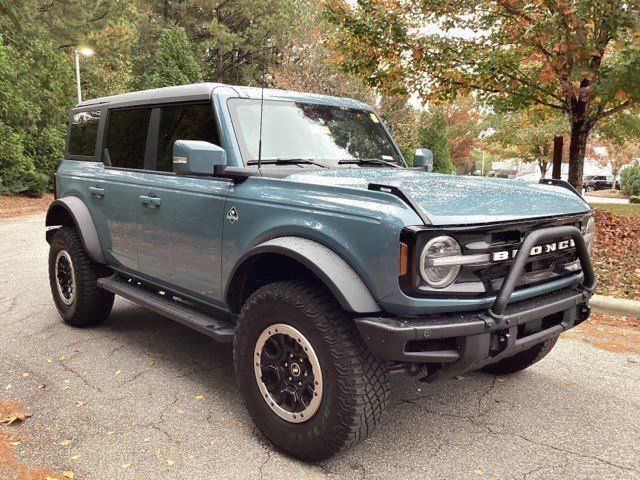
[{"x": 615, "y": 306}]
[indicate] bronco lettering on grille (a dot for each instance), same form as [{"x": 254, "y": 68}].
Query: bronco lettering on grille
[{"x": 537, "y": 250}]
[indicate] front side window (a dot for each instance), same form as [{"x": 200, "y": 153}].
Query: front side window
[
  {"x": 127, "y": 137},
  {"x": 183, "y": 122},
  {"x": 83, "y": 132},
  {"x": 297, "y": 130}
]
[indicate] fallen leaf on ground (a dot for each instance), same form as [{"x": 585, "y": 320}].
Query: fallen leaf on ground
[
  {"x": 11, "y": 412},
  {"x": 65, "y": 442},
  {"x": 68, "y": 474}
]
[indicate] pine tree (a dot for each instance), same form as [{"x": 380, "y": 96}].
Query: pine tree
[
  {"x": 174, "y": 62},
  {"x": 433, "y": 134}
]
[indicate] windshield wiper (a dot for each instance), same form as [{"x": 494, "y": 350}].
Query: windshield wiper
[
  {"x": 286, "y": 161},
  {"x": 372, "y": 161}
]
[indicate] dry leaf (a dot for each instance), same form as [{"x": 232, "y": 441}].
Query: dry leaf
[
  {"x": 81, "y": 403},
  {"x": 65, "y": 442},
  {"x": 68, "y": 474},
  {"x": 478, "y": 471},
  {"x": 199, "y": 397},
  {"x": 118, "y": 372},
  {"x": 169, "y": 462},
  {"x": 25, "y": 374},
  {"x": 126, "y": 465}
]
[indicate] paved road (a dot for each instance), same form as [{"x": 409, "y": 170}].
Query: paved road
[{"x": 129, "y": 393}]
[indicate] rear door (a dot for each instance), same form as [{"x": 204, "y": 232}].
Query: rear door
[
  {"x": 180, "y": 235},
  {"x": 115, "y": 190}
]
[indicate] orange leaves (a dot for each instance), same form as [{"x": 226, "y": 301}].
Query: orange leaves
[
  {"x": 11, "y": 412},
  {"x": 616, "y": 255}
]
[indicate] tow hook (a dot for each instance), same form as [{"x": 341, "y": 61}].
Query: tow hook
[{"x": 499, "y": 341}]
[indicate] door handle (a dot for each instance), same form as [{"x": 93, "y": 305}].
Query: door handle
[
  {"x": 97, "y": 192},
  {"x": 152, "y": 202}
]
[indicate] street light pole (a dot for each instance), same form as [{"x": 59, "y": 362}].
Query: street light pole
[
  {"x": 87, "y": 52},
  {"x": 76, "y": 56}
]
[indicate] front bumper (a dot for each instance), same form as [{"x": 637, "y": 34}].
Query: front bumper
[{"x": 454, "y": 343}]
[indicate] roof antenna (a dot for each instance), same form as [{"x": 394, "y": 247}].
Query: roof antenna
[{"x": 262, "y": 80}]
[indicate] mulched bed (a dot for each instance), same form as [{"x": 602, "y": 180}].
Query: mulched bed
[
  {"x": 616, "y": 255},
  {"x": 11, "y": 207}
]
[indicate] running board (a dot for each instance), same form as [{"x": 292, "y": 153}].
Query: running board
[{"x": 216, "y": 328}]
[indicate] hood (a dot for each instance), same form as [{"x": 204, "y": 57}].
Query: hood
[{"x": 458, "y": 200}]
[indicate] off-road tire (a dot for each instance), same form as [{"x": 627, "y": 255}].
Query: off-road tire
[
  {"x": 91, "y": 305},
  {"x": 354, "y": 381},
  {"x": 521, "y": 360}
]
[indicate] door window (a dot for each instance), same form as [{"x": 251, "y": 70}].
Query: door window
[
  {"x": 83, "y": 132},
  {"x": 127, "y": 137},
  {"x": 183, "y": 122}
]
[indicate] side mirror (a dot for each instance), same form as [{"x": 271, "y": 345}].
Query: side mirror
[
  {"x": 423, "y": 158},
  {"x": 195, "y": 157}
]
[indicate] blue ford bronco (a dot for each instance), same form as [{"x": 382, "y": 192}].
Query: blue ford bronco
[{"x": 290, "y": 225}]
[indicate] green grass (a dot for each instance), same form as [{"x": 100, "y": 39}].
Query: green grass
[{"x": 622, "y": 209}]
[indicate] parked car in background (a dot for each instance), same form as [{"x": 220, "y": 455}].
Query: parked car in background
[
  {"x": 599, "y": 182},
  {"x": 290, "y": 225}
]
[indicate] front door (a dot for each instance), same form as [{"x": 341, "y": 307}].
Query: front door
[
  {"x": 180, "y": 228},
  {"x": 115, "y": 188}
]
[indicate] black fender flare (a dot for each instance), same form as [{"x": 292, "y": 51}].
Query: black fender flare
[
  {"x": 339, "y": 277},
  {"x": 75, "y": 208}
]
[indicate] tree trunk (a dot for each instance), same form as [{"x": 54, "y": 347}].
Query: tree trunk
[
  {"x": 577, "y": 149},
  {"x": 544, "y": 167},
  {"x": 558, "y": 141}
]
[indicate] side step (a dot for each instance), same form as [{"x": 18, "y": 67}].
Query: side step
[{"x": 217, "y": 328}]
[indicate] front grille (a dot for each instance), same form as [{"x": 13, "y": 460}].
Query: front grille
[{"x": 486, "y": 278}]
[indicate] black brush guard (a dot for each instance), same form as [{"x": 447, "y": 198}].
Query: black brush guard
[{"x": 467, "y": 341}]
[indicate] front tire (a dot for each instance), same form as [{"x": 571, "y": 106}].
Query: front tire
[
  {"x": 521, "y": 360},
  {"x": 296, "y": 330},
  {"x": 73, "y": 277}
]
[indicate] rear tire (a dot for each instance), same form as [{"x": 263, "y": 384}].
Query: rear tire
[
  {"x": 353, "y": 383},
  {"x": 521, "y": 360},
  {"x": 73, "y": 277}
]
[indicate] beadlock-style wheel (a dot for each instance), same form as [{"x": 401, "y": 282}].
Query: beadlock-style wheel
[
  {"x": 65, "y": 277},
  {"x": 288, "y": 373}
]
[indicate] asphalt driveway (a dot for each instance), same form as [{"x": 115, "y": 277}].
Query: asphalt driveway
[{"x": 144, "y": 398}]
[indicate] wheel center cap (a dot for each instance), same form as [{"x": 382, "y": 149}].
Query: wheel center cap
[{"x": 295, "y": 369}]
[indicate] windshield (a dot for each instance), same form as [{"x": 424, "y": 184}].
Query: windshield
[{"x": 324, "y": 134}]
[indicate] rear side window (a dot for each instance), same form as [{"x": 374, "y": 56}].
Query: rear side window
[
  {"x": 183, "y": 122},
  {"x": 127, "y": 137},
  {"x": 83, "y": 132}
]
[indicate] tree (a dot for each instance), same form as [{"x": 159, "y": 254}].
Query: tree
[
  {"x": 174, "y": 60},
  {"x": 618, "y": 155},
  {"x": 109, "y": 71},
  {"x": 527, "y": 135},
  {"x": 36, "y": 87},
  {"x": 464, "y": 120},
  {"x": 577, "y": 57},
  {"x": 308, "y": 64},
  {"x": 236, "y": 40},
  {"x": 403, "y": 121},
  {"x": 433, "y": 134}
]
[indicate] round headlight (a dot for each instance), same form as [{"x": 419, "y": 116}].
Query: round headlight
[
  {"x": 433, "y": 266},
  {"x": 590, "y": 232}
]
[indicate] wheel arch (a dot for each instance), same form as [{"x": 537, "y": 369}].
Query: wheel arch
[
  {"x": 72, "y": 211},
  {"x": 288, "y": 257}
]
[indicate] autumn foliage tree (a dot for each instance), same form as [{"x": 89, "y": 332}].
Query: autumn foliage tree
[{"x": 577, "y": 57}]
